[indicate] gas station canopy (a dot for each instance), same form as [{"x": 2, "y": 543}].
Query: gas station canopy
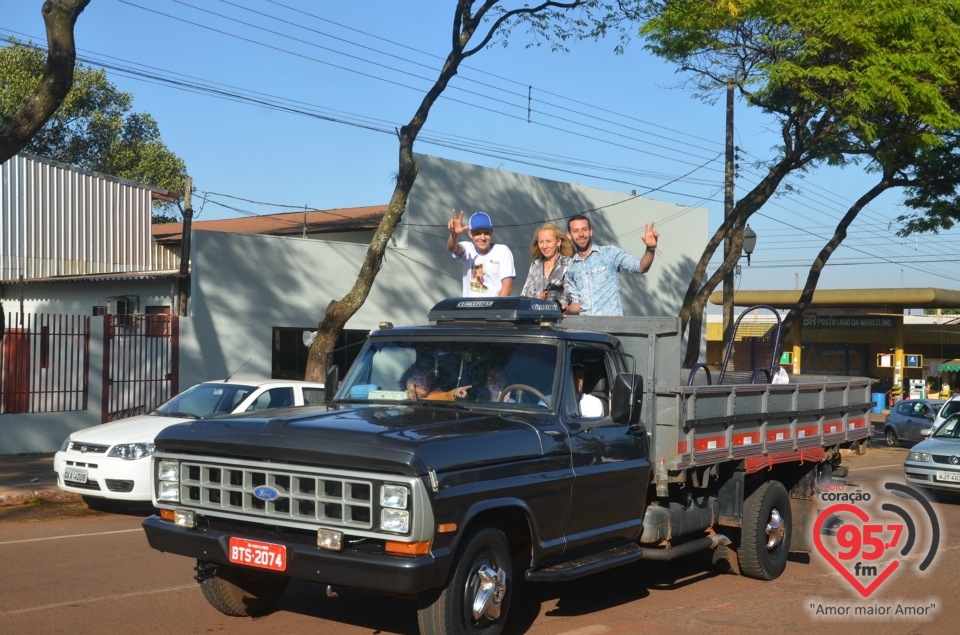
[{"x": 918, "y": 298}]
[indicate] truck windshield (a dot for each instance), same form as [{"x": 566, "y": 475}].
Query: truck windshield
[{"x": 499, "y": 374}]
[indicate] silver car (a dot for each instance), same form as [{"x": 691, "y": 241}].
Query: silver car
[
  {"x": 909, "y": 419},
  {"x": 935, "y": 463}
]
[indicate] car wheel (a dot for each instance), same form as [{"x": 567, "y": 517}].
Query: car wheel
[
  {"x": 766, "y": 533},
  {"x": 893, "y": 440},
  {"x": 242, "y": 591},
  {"x": 477, "y": 594}
]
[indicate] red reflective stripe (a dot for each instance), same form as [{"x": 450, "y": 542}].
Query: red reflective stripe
[
  {"x": 704, "y": 444},
  {"x": 682, "y": 447},
  {"x": 748, "y": 438},
  {"x": 772, "y": 434}
]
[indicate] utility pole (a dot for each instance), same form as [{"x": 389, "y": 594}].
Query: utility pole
[
  {"x": 185, "y": 248},
  {"x": 728, "y": 214}
]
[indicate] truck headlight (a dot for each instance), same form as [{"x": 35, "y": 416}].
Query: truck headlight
[
  {"x": 395, "y": 520},
  {"x": 65, "y": 444},
  {"x": 394, "y": 496},
  {"x": 169, "y": 474},
  {"x": 169, "y": 471},
  {"x": 132, "y": 451},
  {"x": 921, "y": 457},
  {"x": 169, "y": 492}
]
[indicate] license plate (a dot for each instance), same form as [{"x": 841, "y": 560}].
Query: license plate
[
  {"x": 953, "y": 477},
  {"x": 258, "y": 554},
  {"x": 74, "y": 475}
]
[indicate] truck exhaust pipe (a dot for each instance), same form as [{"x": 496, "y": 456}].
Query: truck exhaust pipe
[{"x": 669, "y": 553}]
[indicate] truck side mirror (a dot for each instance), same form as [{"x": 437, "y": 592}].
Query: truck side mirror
[
  {"x": 626, "y": 400},
  {"x": 330, "y": 383}
]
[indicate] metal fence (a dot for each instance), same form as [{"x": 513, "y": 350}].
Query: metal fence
[
  {"x": 44, "y": 363},
  {"x": 141, "y": 363}
]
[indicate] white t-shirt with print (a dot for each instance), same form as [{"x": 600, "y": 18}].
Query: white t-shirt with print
[{"x": 483, "y": 274}]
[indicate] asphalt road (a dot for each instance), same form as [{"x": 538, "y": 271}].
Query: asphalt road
[{"x": 66, "y": 569}]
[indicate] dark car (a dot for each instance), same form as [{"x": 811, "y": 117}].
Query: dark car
[{"x": 909, "y": 419}]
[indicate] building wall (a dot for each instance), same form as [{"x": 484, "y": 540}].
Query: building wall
[
  {"x": 79, "y": 298},
  {"x": 58, "y": 220},
  {"x": 244, "y": 285}
]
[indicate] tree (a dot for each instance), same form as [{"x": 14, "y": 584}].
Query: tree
[
  {"x": 467, "y": 21},
  {"x": 19, "y": 125},
  {"x": 94, "y": 127},
  {"x": 845, "y": 82}
]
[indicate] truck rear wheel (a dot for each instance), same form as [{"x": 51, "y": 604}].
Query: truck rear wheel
[
  {"x": 477, "y": 595},
  {"x": 242, "y": 591},
  {"x": 767, "y": 529}
]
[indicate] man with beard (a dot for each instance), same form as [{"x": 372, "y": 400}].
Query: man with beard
[{"x": 594, "y": 274}]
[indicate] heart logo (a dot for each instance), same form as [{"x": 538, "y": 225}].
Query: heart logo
[{"x": 860, "y": 542}]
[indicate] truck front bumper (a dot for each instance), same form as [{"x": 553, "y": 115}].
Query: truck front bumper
[{"x": 369, "y": 571}]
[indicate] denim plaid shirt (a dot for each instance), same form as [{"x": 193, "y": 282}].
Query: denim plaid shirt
[{"x": 595, "y": 282}]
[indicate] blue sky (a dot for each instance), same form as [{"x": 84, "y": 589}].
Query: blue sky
[{"x": 620, "y": 121}]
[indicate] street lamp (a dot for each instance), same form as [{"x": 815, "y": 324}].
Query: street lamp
[{"x": 749, "y": 242}]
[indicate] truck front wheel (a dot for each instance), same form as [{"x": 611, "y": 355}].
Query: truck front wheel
[
  {"x": 767, "y": 529},
  {"x": 477, "y": 595},
  {"x": 242, "y": 591}
]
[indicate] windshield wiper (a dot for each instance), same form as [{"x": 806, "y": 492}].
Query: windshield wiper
[
  {"x": 182, "y": 415},
  {"x": 440, "y": 404}
]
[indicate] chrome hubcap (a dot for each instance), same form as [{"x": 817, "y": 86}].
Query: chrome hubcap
[
  {"x": 775, "y": 529},
  {"x": 490, "y": 591}
]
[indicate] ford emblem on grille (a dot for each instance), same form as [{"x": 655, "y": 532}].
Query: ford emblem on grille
[
  {"x": 955, "y": 460},
  {"x": 265, "y": 493}
]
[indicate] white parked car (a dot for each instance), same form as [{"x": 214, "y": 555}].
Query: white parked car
[
  {"x": 107, "y": 462},
  {"x": 952, "y": 407}
]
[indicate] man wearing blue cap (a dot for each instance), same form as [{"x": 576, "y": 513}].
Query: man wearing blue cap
[{"x": 487, "y": 267}]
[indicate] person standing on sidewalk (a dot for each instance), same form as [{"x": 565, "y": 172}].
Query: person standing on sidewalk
[
  {"x": 487, "y": 267},
  {"x": 594, "y": 273}
]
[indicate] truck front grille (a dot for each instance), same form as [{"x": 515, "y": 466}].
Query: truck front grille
[{"x": 329, "y": 500}]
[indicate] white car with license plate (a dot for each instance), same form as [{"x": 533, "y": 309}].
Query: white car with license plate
[
  {"x": 109, "y": 461},
  {"x": 935, "y": 463}
]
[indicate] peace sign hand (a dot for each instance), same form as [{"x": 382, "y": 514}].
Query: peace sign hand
[
  {"x": 455, "y": 225},
  {"x": 650, "y": 236}
]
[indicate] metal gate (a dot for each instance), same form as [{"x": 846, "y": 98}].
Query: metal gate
[
  {"x": 141, "y": 363},
  {"x": 44, "y": 363}
]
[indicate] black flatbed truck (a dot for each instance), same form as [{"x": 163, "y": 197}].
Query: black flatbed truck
[{"x": 446, "y": 501}]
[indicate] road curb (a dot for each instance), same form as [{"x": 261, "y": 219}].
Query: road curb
[{"x": 8, "y": 499}]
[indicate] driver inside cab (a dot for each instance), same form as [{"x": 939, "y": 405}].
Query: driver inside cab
[{"x": 419, "y": 388}]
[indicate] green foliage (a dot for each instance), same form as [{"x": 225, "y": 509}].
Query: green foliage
[
  {"x": 859, "y": 62},
  {"x": 94, "y": 128},
  {"x": 942, "y": 311}
]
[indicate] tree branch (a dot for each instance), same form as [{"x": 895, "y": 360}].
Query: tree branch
[
  {"x": 509, "y": 14},
  {"x": 59, "y": 17}
]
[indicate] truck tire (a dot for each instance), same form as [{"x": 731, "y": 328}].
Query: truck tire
[
  {"x": 243, "y": 591},
  {"x": 476, "y": 597},
  {"x": 767, "y": 529}
]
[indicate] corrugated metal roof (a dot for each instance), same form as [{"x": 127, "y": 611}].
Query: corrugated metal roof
[
  {"x": 58, "y": 220},
  {"x": 286, "y": 224},
  {"x": 112, "y": 277}
]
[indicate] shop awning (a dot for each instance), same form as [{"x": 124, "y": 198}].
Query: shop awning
[{"x": 952, "y": 366}]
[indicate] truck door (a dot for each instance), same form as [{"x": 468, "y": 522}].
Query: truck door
[{"x": 610, "y": 461}]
